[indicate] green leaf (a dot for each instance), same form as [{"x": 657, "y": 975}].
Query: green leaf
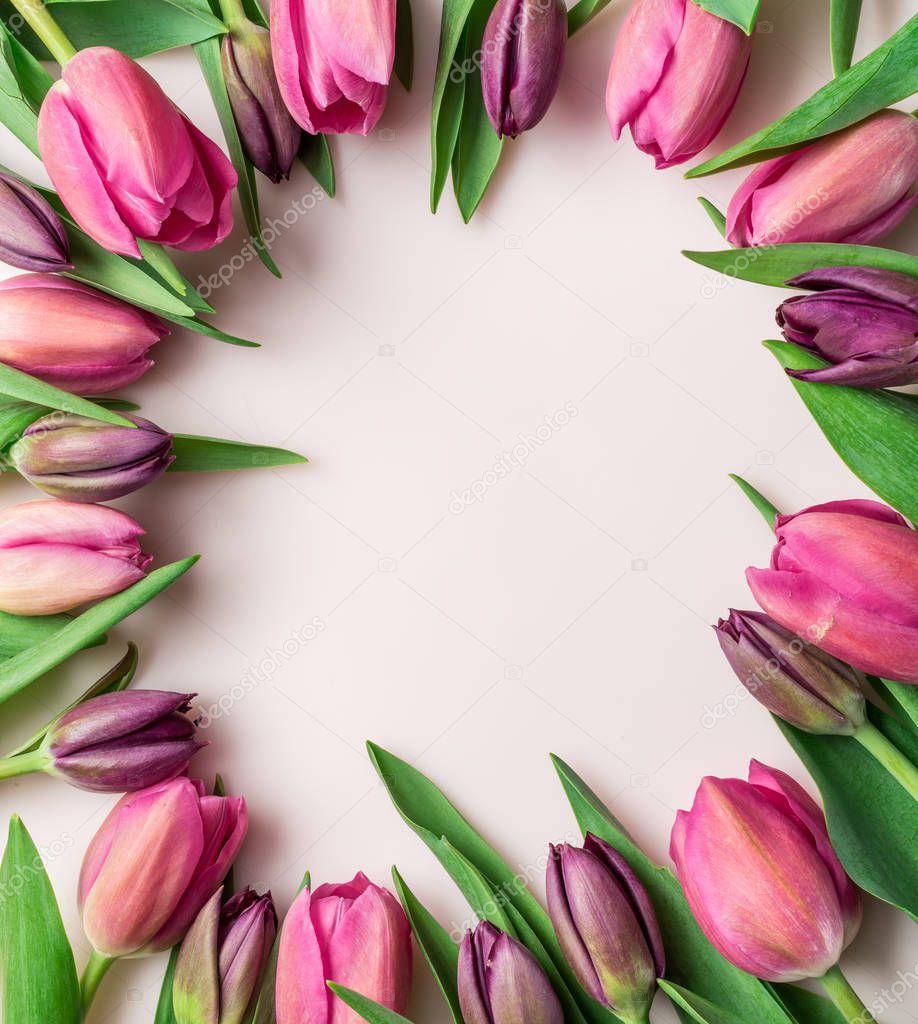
[
  {"x": 155, "y": 258},
  {"x": 440, "y": 952},
  {"x": 583, "y": 12},
  {"x": 742, "y": 13},
  {"x": 23, "y": 84},
  {"x": 210, "y": 454},
  {"x": 698, "y": 1008},
  {"x": 808, "y": 1007},
  {"x": 19, "y": 671},
  {"x": 884, "y": 77},
  {"x": 844, "y": 16},
  {"x": 265, "y": 1010},
  {"x": 164, "y": 1011},
  {"x": 17, "y": 384},
  {"x": 316, "y": 156},
  {"x": 404, "y": 44},
  {"x": 202, "y": 327},
  {"x": 370, "y": 1011},
  {"x": 874, "y": 432},
  {"x": 39, "y": 979},
  {"x": 448, "y": 95},
  {"x": 15, "y": 419},
  {"x": 765, "y": 507},
  {"x": 717, "y": 218},
  {"x": 19, "y": 632},
  {"x": 777, "y": 264},
  {"x": 900, "y": 696},
  {"x": 873, "y": 822},
  {"x": 691, "y": 961}
]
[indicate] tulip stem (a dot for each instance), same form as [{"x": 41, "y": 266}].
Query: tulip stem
[
  {"x": 96, "y": 969},
  {"x": 233, "y": 12},
  {"x": 46, "y": 28},
  {"x": 844, "y": 997},
  {"x": 22, "y": 764},
  {"x": 892, "y": 759}
]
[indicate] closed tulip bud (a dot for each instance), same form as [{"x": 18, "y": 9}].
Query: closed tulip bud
[
  {"x": 333, "y": 60},
  {"x": 269, "y": 134},
  {"x": 761, "y": 877},
  {"x": 606, "y": 926},
  {"x": 522, "y": 55},
  {"x": 844, "y": 576},
  {"x": 32, "y": 236},
  {"x": 863, "y": 321},
  {"x": 501, "y": 982},
  {"x": 222, "y": 959},
  {"x": 57, "y": 555},
  {"x": 829, "y": 191},
  {"x": 157, "y": 859},
  {"x": 794, "y": 680},
  {"x": 121, "y": 742},
  {"x": 355, "y": 934},
  {"x": 72, "y": 336},
  {"x": 127, "y": 163},
  {"x": 675, "y": 77}
]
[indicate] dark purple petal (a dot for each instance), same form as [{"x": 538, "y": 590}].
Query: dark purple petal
[
  {"x": 886, "y": 285},
  {"x": 121, "y": 768}
]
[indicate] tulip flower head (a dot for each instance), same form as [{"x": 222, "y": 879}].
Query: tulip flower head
[
  {"x": 844, "y": 577},
  {"x": 830, "y": 191},
  {"x": 57, "y": 555},
  {"x": 675, "y": 77},
  {"x": 761, "y": 877},
  {"x": 32, "y": 236},
  {"x": 157, "y": 859},
  {"x": 127, "y": 163},
  {"x": 355, "y": 934}
]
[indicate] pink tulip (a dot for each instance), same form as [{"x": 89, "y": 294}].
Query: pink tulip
[
  {"x": 73, "y": 336},
  {"x": 831, "y": 191},
  {"x": 333, "y": 60},
  {"x": 761, "y": 877},
  {"x": 676, "y": 74},
  {"x": 355, "y": 934},
  {"x": 56, "y": 555},
  {"x": 157, "y": 859},
  {"x": 127, "y": 163},
  {"x": 844, "y": 577}
]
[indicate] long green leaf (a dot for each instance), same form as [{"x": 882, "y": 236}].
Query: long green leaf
[
  {"x": 210, "y": 454},
  {"x": 316, "y": 156},
  {"x": 19, "y": 671},
  {"x": 742, "y": 13},
  {"x": 583, "y": 12},
  {"x": 764, "y": 506},
  {"x": 370, "y": 1011},
  {"x": 39, "y": 979},
  {"x": 697, "y": 1008},
  {"x": 808, "y": 1007},
  {"x": 884, "y": 77},
  {"x": 874, "y": 432},
  {"x": 20, "y": 632},
  {"x": 23, "y": 84},
  {"x": 900, "y": 696},
  {"x": 165, "y": 1014},
  {"x": 202, "y": 327},
  {"x": 19, "y": 385},
  {"x": 716, "y": 216},
  {"x": 404, "y": 43},
  {"x": 844, "y": 17}
]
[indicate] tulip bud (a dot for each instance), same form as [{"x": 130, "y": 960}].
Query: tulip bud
[
  {"x": 795, "y": 681},
  {"x": 844, "y": 577},
  {"x": 356, "y": 935},
  {"x": 222, "y": 959},
  {"x": 606, "y": 926},
  {"x": 761, "y": 877},
  {"x": 675, "y": 77},
  {"x": 861, "y": 320},
  {"x": 270, "y": 136},
  {"x": 522, "y": 54},
  {"x": 56, "y": 555},
  {"x": 121, "y": 742},
  {"x": 157, "y": 859},
  {"x": 32, "y": 236},
  {"x": 829, "y": 191},
  {"x": 73, "y": 336},
  {"x": 501, "y": 982}
]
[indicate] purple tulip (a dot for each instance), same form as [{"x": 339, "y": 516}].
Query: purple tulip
[
  {"x": 32, "y": 236},
  {"x": 157, "y": 859},
  {"x": 675, "y": 77},
  {"x": 69, "y": 456},
  {"x": 830, "y": 191},
  {"x": 501, "y": 982},
  {"x": 844, "y": 577},
  {"x": 222, "y": 959},
  {"x": 761, "y": 877},
  {"x": 606, "y": 926},
  {"x": 861, "y": 320},
  {"x": 121, "y": 742},
  {"x": 127, "y": 163},
  {"x": 73, "y": 336},
  {"x": 522, "y": 54}
]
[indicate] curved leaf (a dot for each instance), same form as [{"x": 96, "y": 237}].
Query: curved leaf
[
  {"x": 316, "y": 156},
  {"x": 211, "y": 455},
  {"x": 19, "y": 385},
  {"x": 844, "y": 16},
  {"x": 370, "y": 1011},
  {"x": 404, "y": 44},
  {"x": 164, "y": 1011},
  {"x": 742, "y": 13},
  {"x": 449, "y": 91}
]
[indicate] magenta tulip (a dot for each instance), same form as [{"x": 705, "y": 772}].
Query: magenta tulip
[
  {"x": 844, "y": 576},
  {"x": 127, "y": 163},
  {"x": 57, "y": 555},
  {"x": 73, "y": 336},
  {"x": 356, "y": 935},
  {"x": 157, "y": 859},
  {"x": 333, "y": 60},
  {"x": 830, "y": 191},
  {"x": 676, "y": 74},
  {"x": 762, "y": 879}
]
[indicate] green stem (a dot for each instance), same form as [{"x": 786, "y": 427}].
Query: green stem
[
  {"x": 845, "y": 998},
  {"x": 892, "y": 759},
  {"x": 233, "y": 12},
  {"x": 46, "y": 28},
  {"x": 22, "y": 764},
  {"x": 98, "y": 966}
]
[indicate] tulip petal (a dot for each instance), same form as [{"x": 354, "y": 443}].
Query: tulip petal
[
  {"x": 886, "y": 285},
  {"x": 219, "y": 179},
  {"x": 301, "y": 994},
  {"x": 196, "y": 986},
  {"x": 517, "y": 987},
  {"x": 356, "y": 34}
]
